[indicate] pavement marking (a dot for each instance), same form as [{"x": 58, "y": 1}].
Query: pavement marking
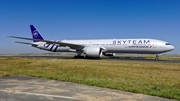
[{"x": 46, "y": 95}]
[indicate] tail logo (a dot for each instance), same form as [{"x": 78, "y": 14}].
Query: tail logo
[{"x": 35, "y": 33}]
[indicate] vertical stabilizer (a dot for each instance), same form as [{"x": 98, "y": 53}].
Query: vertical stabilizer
[{"x": 35, "y": 33}]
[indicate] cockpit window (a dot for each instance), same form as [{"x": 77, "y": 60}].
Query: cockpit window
[{"x": 168, "y": 44}]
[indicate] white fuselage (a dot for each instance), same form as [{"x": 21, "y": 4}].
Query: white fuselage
[
  {"x": 142, "y": 46},
  {"x": 98, "y": 47}
]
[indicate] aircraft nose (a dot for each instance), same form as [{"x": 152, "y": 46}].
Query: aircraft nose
[{"x": 171, "y": 48}]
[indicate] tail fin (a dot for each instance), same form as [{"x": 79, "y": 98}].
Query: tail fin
[{"x": 35, "y": 33}]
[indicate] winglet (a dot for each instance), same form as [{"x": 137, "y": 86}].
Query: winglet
[{"x": 35, "y": 34}]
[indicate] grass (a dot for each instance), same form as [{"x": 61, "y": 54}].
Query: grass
[{"x": 157, "y": 79}]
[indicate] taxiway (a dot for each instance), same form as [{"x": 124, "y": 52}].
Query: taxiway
[{"x": 108, "y": 59}]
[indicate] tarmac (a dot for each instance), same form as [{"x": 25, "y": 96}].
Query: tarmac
[
  {"x": 130, "y": 59},
  {"x": 23, "y": 88}
]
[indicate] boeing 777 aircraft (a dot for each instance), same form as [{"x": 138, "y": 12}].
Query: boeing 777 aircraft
[{"x": 98, "y": 47}]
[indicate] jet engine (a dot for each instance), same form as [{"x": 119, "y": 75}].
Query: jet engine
[{"x": 95, "y": 52}]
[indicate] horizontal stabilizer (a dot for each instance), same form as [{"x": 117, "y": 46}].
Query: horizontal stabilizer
[
  {"x": 25, "y": 38},
  {"x": 22, "y": 42}
]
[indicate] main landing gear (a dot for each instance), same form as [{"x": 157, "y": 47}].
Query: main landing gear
[
  {"x": 78, "y": 56},
  {"x": 157, "y": 57}
]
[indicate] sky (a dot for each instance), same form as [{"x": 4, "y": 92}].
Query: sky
[{"x": 88, "y": 19}]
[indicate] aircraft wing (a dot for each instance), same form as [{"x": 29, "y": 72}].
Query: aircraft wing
[{"x": 71, "y": 45}]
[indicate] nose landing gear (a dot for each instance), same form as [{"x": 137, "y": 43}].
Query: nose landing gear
[{"x": 157, "y": 57}]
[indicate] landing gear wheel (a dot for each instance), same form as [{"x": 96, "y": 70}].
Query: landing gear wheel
[
  {"x": 86, "y": 57},
  {"x": 157, "y": 57},
  {"x": 78, "y": 56}
]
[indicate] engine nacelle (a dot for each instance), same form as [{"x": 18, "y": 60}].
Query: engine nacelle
[
  {"x": 95, "y": 52},
  {"x": 109, "y": 54}
]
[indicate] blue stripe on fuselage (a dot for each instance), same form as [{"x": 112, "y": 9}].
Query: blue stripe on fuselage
[
  {"x": 51, "y": 47},
  {"x": 55, "y": 49}
]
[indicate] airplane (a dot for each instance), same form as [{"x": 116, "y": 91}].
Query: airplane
[{"x": 97, "y": 47}]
